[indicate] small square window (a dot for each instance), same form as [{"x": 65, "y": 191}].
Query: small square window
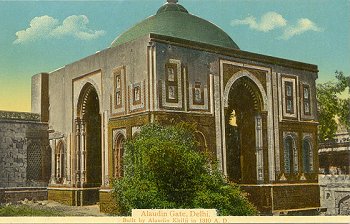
[
  {"x": 118, "y": 81},
  {"x": 289, "y": 106},
  {"x": 171, "y": 74},
  {"x": 118, "y": 100},
  {"x": 289, "y": 88},
  {"x": 306, "y": 93},
  {"x": 198, "y": 93},
  {"x": 137, "y": 94},
  {"x": 306, "y": 108},
  {"x": 172, "y": 92}
]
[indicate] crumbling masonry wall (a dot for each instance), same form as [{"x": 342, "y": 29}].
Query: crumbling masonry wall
[{"x": 24, "y": 155}]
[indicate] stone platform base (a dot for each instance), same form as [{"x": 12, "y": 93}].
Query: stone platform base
[
  {"x": 74, "y": 196},
  {"x": 84, "y": 196},
  {"x": 285, "y": 199},
  {"x": 107, "y": 202},
  {"x": 16, "y": 194},
  {"x": 270, "y": 199}
]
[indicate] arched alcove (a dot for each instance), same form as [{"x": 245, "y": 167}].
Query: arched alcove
[
  {"x": 307, "y": 156},
  {"x": 60, "y": 162},
  {"x": 289, "y": 154},
  {"x": 118, "y": 154},
  {"x": 201, "y": 141}
]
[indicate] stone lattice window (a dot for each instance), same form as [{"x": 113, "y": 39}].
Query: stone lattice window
[
  {"x": 34, "y": 162},
  {"x": 307, "y": 157},
  {"x": 290, "y": 156}
]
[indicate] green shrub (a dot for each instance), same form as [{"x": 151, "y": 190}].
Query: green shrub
[{"x": 163, "y": 169}]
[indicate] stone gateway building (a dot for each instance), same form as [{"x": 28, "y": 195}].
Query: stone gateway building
[{"x": 256, "y": 113}]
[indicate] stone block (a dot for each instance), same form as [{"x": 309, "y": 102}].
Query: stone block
[
  {"x": 4, "y": 145},
  {"x": 107, "y": 203},
  {"x": 63, "y": 196}
]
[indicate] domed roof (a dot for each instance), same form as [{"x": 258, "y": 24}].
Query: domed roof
[{"x": 173, "y": 20}]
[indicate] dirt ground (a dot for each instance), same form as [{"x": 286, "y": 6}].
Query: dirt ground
[{"x": 91, "y": 210}]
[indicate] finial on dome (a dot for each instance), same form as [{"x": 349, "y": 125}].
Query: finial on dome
[{"x": 172, "y": 1}]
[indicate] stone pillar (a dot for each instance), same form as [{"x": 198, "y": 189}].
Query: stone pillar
[
  {"x": 77, "y": 152},
  {"x": 259, "y": 149},
  {"x": 82, "y": 153},
  {"x": 52, "y": 147},
  {"x": 58, "y": 166},
  {"x": 40, "y": 96},
  {"x": 105, "y": 164},
  {"x": 68, "y": 160}
]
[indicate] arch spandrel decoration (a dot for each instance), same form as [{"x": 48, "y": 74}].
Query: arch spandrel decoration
[
  {"x": 84, "y": 93},
  {"x": 237, "y": 76},
  {"x": 79, "y": 88}
]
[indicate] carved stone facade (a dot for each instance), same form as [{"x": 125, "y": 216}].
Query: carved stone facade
[
  {"x": 335, "y": 194},
  {"x": 249, "y": 108}
]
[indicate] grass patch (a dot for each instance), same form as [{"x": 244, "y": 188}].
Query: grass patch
[{"x": 23, "y": 210}]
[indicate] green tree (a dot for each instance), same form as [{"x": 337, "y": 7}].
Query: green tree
[
  {"x": 163, "y": 169},
  {"x": 332, "y": 107}
]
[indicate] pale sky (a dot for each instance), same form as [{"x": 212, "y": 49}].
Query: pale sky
[{"x": 41, "y": 36}]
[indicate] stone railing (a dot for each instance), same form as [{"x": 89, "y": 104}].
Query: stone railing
[
  {"x": 335, "y": 180},
  {"x": 340, "y": 140},
  {"x": 10, "y": 115}
]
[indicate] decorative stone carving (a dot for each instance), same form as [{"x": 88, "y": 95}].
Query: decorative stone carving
[{"x": 9, "y": 115}]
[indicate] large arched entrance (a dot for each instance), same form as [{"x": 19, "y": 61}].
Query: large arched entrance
[
  {"x": 88, "y": 142},
  {"x": 243, "y": 125}
]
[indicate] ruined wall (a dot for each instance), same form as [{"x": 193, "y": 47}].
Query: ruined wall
[
  {"x": 335, "y": 194},
  {"x": 24, "y": 155}
]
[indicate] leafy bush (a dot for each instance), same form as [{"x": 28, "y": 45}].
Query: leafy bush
[
  {"x": 163, "y": 169},
  {"x": 333, "y": 106}
]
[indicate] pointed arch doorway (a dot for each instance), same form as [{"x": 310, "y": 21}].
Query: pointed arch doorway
[
  {"x": 88, "y": 157},
  {"x": 244, "y": 134}
]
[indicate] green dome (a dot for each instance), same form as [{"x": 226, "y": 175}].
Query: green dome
[{"x": 174, "y": 20}]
